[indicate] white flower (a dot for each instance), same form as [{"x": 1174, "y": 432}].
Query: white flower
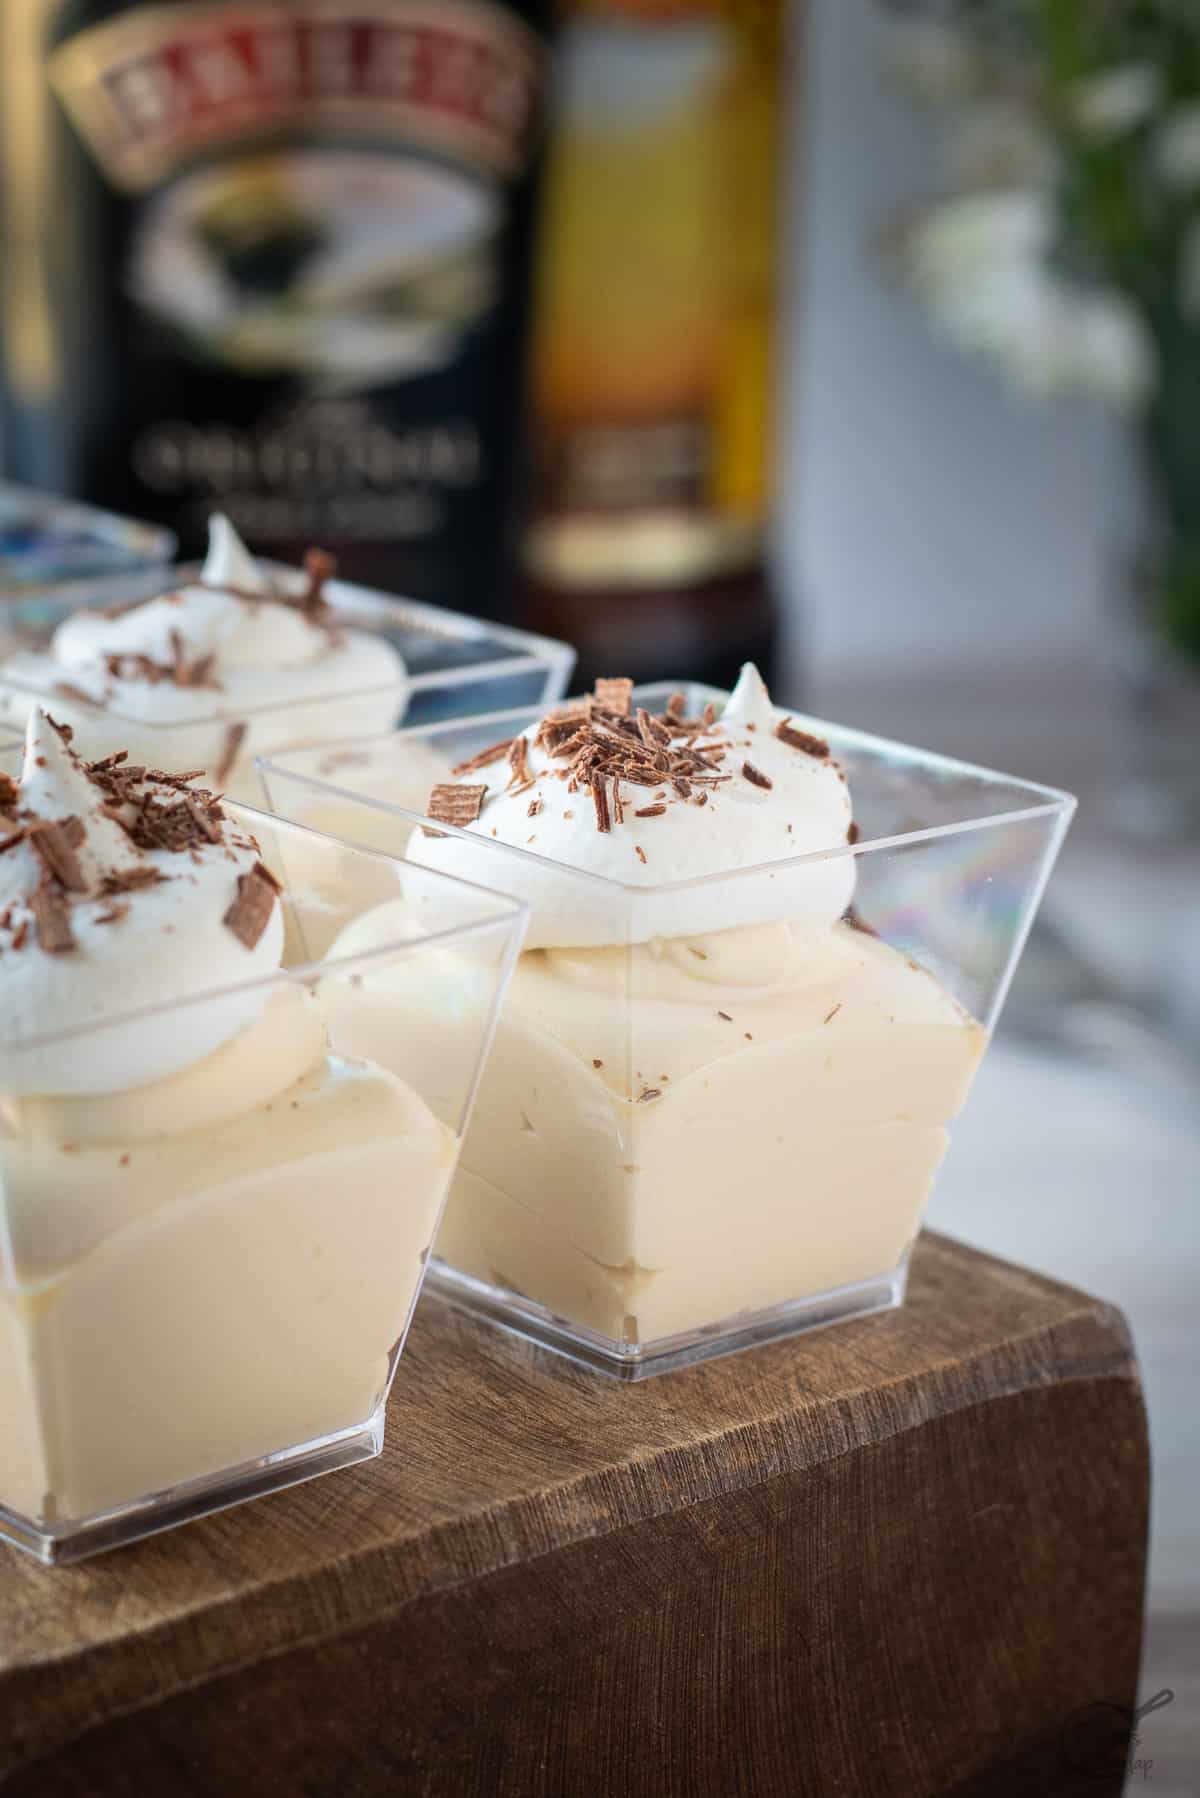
[
  {"x": 1012, "y": 313},
  {"x": 1189, "y": 273},
  {"x": 931, "y": 59},
  {"x": 1115, "y": 102},
  {"x": 998, "y": 146},
  {"x": 1113, "y": 352},
  {"x": 1177, "y": 147},
  {"x": 972, "y": 231},
  {"x": 979, "y": 263}
]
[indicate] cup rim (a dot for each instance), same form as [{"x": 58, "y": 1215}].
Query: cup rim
[
  {"x": 530, "y": 652},
  {"x": 1046, "y": 802},
  {"x": 509, "y": 916}
]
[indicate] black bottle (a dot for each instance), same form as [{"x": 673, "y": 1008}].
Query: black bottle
[{"x": 270, "y": 256}]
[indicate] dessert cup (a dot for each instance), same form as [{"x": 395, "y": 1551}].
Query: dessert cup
[
  {"x": 696, "y": 1138},
  {"x": 445, "y": 665},
  {"x": 58, "y": 549},
  {"x": 215, "y": 1215}
]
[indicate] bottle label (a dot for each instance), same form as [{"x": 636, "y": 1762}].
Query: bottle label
[
  {"x": 309, "y": 260},
  {"x": 655, "y": 293},
  {"x": 156, "y": 86}
]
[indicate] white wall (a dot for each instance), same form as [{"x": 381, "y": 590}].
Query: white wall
[{"x": 927, "y": 512}]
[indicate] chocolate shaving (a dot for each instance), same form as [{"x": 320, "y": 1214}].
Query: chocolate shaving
[
  {"x": 535, "y": 806},
  {"x": 600, "y": 801},
  {"x": 320, "y": 567},
  {"x": 614, "y": 695},
  {"x": 182, "y": 781},
  {"x": 456, "y": 805},
  {"x": 55, "y": 846},
  {"x": 830, "y": 1015},
  {"x": 518, "y": 761},
  {"x": 854, "y": 918},
  {"x": 20, "y": 935},
  {"x": 64, "y": 731},
  {"x": 130, "y": 665},
  {"x": 726, "y": 1016},
  {"x": 649, "y": 1093},
  {"x": 640, "y": 853},
  {"x": 801, "y": 739},
  {"x": 650, "y": 811},
  {"x": 70, "y": 691},
  {"x": 186, "y": 673},
  {"x": 235, "y": 736},
  {"x": 485, "y": 757},
  {"x": 600, "y": 745},
  {"x": 131, "y": 880},
  {"x": 207, "y": 822},
  {"x": 18, "y": 836},
  {"x": 853, "y": 833},
  {"x": 10, "y": 793},
  {"x": 52, "y": 917},
  {"x": 250, "y": 912},
  {"x": 596, "y": 1062},
  {"x": 756, "y": 777},
  {"x": 557, "y": 728},
  {"x": 112, "y": 914},
  {"x": 264, "y": 873}
]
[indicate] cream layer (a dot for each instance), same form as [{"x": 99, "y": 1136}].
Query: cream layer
[
  {"x": 672, "y": 1134},
  {"x": 207, "y": 1270}
]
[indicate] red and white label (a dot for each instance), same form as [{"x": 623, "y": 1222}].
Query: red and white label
[{"x": 159, "y": 85}]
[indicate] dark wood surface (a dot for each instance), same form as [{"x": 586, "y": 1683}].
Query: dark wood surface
[{"x": 901, "y": 1556}]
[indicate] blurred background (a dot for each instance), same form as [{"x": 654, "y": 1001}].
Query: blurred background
[{"x": 861, "y": 337}]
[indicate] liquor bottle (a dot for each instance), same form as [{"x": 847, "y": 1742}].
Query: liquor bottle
[
  {"x": 655, "y": 295},
  {"x": 270, "y": 256}
]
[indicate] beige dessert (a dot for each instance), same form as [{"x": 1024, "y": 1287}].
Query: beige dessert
[
  {"x": 711, "y": 1092},
  {"x": 212, "y": 1224}
]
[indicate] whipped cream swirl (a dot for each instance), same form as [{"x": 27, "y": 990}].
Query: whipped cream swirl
[
  {"x": 713, "y": 848},
  {"x": 215, "y": 674},
  {"x": 121, "y": 891}
]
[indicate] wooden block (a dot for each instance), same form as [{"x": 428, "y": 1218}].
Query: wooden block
[{"x": 903, "y": 1556}]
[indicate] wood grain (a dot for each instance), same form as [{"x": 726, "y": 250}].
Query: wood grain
[{"x": 898, "y": 1556}]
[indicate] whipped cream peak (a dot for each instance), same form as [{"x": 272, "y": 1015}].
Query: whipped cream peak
[
  {"x": 749, "y": 705},
  {"x": 229, "y": 563},
  {"x": 121, "y": 889},
  {"x": 600, "y": 787}
]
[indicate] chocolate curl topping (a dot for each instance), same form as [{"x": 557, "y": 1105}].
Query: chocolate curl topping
[
  {"x": 52, "y": 917},
  {"x": 485, "y": 758},
  {"x": 320, "y": 567},
  {"x": 250, "y": 912},
  {"x": 614, "y": 695},
  {"x": 56, "y": 848},
  {"x": 801, "y": 739},
  {"x": 235, "y": 736},
  {"x": 456, "y": 805}
]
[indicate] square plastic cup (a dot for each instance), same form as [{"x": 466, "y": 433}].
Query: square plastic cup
[
  {"x": 688, "y": 1144},
  {"x": 215, "y": 1217},
  {"x": 454, "y": 666},
  {"x": 53, "y": 549}
]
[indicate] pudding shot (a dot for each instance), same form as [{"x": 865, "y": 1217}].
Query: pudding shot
[
  {"x": 214, "y": 1216},
  {"x": 230, "y": 665},
  {"x": 718, "y": 1098}
]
